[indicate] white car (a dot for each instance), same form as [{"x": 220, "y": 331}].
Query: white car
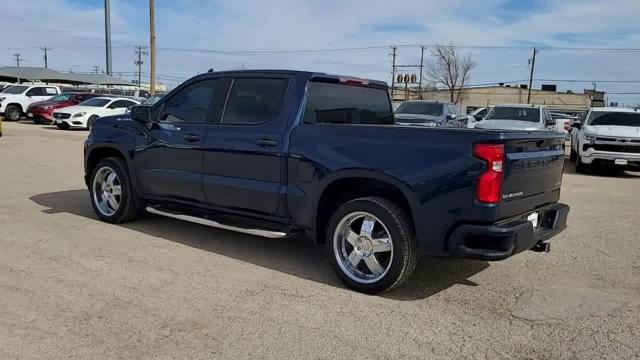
[
  {"x": 475, "y": 116},
  {"x": 84, "y": 114},
  {"x": 15, "y": 99},
  {"x": 607, "y": 136}
]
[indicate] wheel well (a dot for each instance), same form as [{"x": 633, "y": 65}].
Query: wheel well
[
  {"x": 98, "y": 154},
  {"x": 16, "y": 104},
  {"x": 343, "y": 190}
]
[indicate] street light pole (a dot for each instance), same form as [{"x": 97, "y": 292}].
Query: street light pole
[
  {"x": 152, "y": 47},
  {"x": 107, "y": 34}
]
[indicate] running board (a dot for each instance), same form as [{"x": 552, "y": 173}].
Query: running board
[{"x": 207, "y": 222}]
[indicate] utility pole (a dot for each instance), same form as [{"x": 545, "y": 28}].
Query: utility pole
[
  {"x": 107, "y": 34},
  {"x": 421, "y": 68},
  {"x": 393, "y": 69},
  {"x": 46, "y": 62},
  {"x": 152, "y": 47},
  {"x": 140, "y": 51},
  {"x": 96, "y": 69},
  {"x": 17, "y": 56},
  {"x": 533, "y": 65}
]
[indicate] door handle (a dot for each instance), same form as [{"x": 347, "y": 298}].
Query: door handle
[
  {"x": 267, "y": 142},
  {"x": 192, "y": 137}
]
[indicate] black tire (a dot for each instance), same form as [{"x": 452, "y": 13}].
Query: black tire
[
  {"x": 13, "y": 113},
  {"x": 573, "y": 155},
  {"x": 580, "y": 166},
  {"x": 91, "y": 120},
  {"x": 63, "y": 126},
  {"x": 130, "y": 205},
  {"x": 403, "y": 257}
]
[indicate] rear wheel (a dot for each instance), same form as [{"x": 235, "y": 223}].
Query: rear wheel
[
  {"x": 13, "y": 113},
  {"x": 372, "y": 245},
  {"x": 113, "y": 196}
]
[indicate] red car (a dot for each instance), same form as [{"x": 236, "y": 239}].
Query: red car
[{"x": 41, "y": 112}]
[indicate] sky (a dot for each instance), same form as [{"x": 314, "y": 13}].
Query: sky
[{"x": 196, "y": 35}]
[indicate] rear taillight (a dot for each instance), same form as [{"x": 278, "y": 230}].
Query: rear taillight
[{"x": 489, "y": 184}]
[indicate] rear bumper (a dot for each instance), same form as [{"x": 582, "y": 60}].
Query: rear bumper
[{"x": 508, "y": 237}]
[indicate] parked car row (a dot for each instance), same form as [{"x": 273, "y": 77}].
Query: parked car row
[{"x": 47, "y": 104}]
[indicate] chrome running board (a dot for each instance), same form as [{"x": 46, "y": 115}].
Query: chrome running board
[{"x": 207, "y": 222}]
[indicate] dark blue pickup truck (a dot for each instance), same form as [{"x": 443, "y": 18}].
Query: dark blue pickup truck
[{"x": 279, "y": 153}]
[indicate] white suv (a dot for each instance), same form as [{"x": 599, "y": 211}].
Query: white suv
[
  {"x": 607, "y": 136},
  {"x": 15, "y": 99}
]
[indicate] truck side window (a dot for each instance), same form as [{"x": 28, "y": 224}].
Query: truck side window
[
  {"x": 254, "y": 101},
  {"x": 36, "y": 91},
  {"x": 344, "y": 104},
  {"x": 193, "y": 103}
]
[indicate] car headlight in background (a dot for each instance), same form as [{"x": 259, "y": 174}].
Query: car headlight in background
[
  {"x": 80, "y": 114},
  {"x": 48, "y": 107}
]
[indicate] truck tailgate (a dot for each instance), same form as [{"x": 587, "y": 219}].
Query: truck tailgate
[{"x": 532, "y": 172}]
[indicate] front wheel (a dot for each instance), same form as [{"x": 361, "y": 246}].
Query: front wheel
[
  {"x": 580, "y": 166},
  {"x": 113, "y": 196},
  {"x": 13, "y": 113},
  {"x": 372, "y": 244},
  {"x": 91, "y": 120}
]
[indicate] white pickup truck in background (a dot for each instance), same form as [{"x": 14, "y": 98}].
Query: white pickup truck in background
[
  {"x": 15, "y": 99},
  {"x": 608, "y": 137}
]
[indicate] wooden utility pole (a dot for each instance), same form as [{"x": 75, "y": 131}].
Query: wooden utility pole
[
  {"x": 17, "y": 56},
  {"x": 152, "y": 47},
  {"x": 46, "y": 62},
  {"x": 393, "y": 70},
  {"x": 140, "y": 51},
  {"x": 533, "y": 65}
]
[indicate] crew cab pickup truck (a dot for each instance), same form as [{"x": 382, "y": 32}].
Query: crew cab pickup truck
[
  {"x": 15, "y": 99},
  {"x": 607, "y": 136},
  {"x": 283, "y": 153}
]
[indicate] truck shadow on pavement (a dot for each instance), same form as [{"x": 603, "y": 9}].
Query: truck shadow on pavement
[{"x": 295, "y": 256}]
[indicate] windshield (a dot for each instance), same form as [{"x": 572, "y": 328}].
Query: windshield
[
  {"x": 15, "y": 89},
  {"x": 420, "y": 108},
  {"x": 514, "y": 113},
  {"x": 60, "y": 98},
  {"x": 614, "y": 119},
  {"x": 96, "y": 102}
]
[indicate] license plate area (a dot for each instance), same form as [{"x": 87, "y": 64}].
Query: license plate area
[{"x": 621, "y": 162}]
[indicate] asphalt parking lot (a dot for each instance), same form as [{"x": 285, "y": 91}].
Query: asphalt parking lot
[{"x": 73, "y": 287}]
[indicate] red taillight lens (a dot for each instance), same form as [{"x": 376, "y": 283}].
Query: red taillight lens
[{"x": 490, "y": 181}]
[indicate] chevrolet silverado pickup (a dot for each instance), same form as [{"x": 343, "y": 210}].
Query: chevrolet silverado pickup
[{"x": 284, "y": 153}]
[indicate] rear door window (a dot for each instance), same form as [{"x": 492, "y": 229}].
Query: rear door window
[
  {"x": 346, "y": 104},
  {"x": 254, "y": 101}
]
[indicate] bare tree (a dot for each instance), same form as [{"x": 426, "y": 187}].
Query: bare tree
[{"x": 450, "y": 69}]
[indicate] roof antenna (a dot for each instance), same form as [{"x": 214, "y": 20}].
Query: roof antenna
[{"x": 210, "y": 70}]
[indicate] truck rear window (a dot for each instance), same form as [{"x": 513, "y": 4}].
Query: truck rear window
[{"x": 346, "y": 104}]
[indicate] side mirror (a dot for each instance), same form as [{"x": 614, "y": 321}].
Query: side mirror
[
  {"x": 141, "y": 113},
  {"x": 576, "y": 125},
  {"x": 477, "y": 117},
  {"x": 451, "y": 116},
  {"x": 550, "y": 122}
]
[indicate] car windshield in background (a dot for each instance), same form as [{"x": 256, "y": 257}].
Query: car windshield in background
[
  {"x": 514, "y": 113},
  {"x": 60, "y": 98},
  {"x": 97, "y": 102},
  {"x": 614, "y": 119},
  {"x": 420, "y": 108},
  {"x": 152, "y": 100},
  {"x": 345, "y": 104},
  {"x": 15, "y": 89}
]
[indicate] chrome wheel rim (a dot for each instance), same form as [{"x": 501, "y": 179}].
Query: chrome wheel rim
[
  {"x": 363, "y": 247},
  {"x": 107, "y": 191}
]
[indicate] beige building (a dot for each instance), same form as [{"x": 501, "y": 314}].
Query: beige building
[{"x": 492, "y": 95}]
